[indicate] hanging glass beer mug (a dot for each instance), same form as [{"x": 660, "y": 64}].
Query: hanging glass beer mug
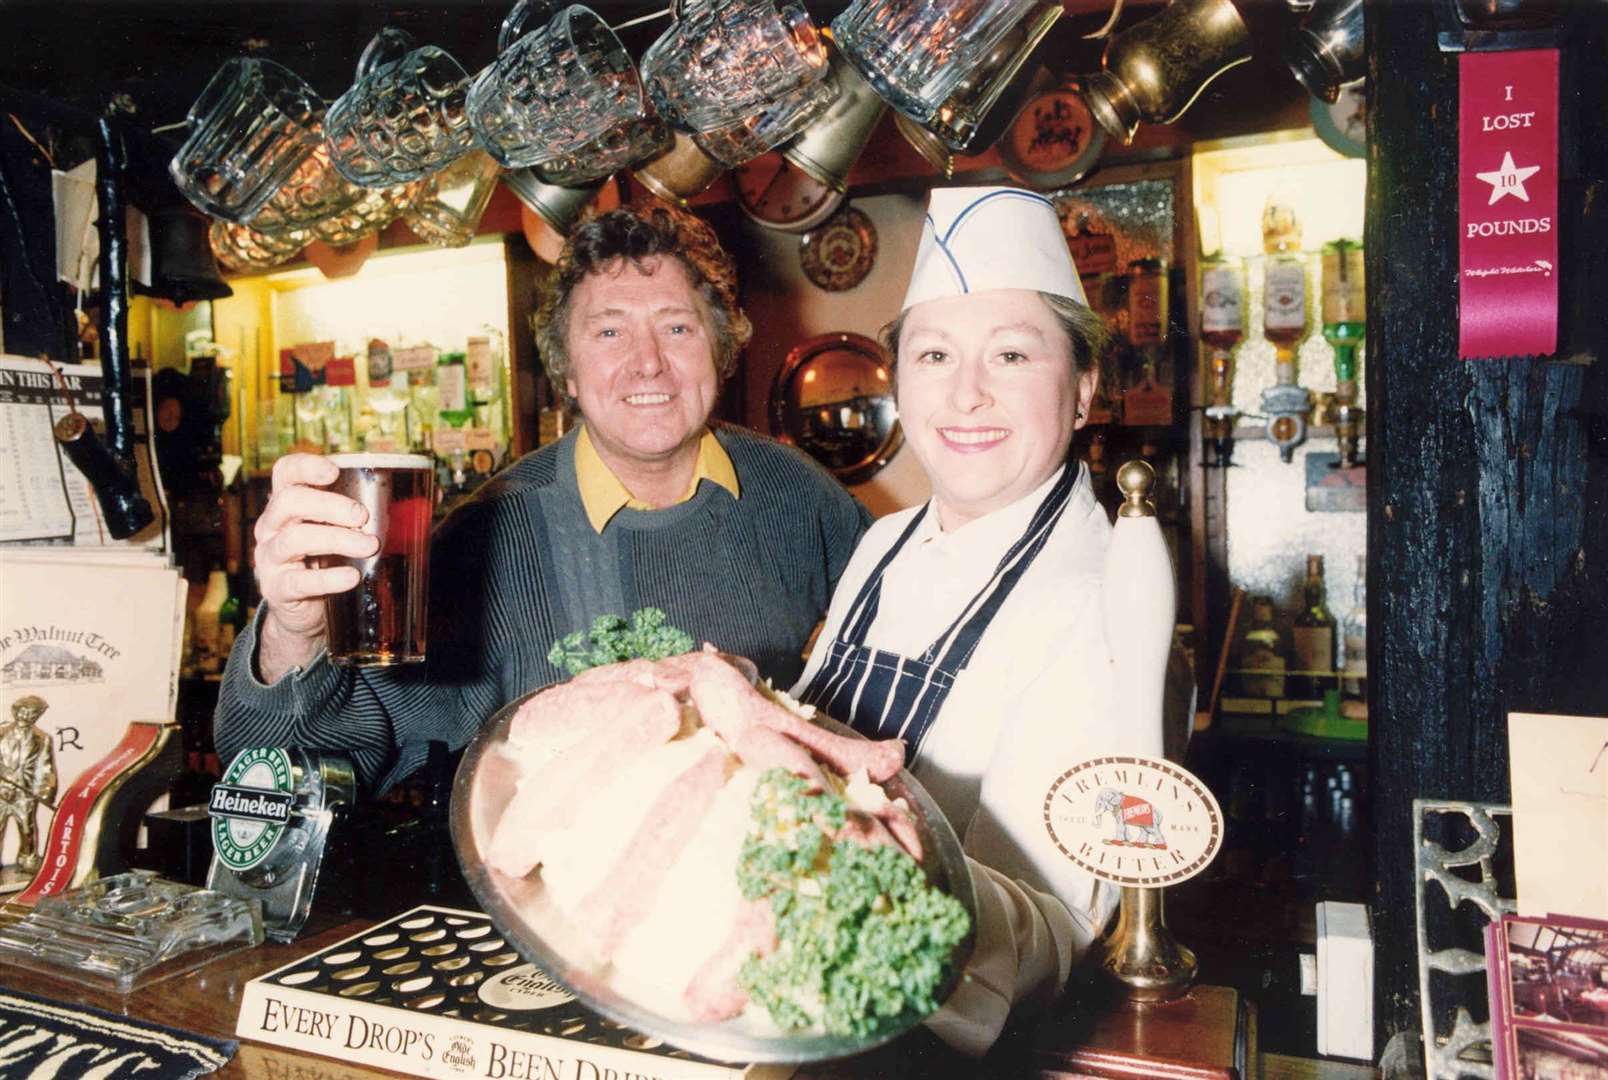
[{"x": 923, "y": 57}]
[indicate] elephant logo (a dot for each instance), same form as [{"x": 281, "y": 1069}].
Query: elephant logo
[{"x": 1135, "y": 822}]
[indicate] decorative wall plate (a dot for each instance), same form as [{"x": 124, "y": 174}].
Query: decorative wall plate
[
  {"x": 840, "y": 253},
  {"x": 1133, "y": 820},
  {"x": 1054, "y": 141}
]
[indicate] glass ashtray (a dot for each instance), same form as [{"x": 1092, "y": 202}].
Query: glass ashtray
[{"x": 129, "y": 930}]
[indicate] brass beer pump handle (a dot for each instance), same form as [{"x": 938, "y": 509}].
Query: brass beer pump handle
[
  {"x": 1142, "y": 953},
  {"x": 1136, "y": 479}
]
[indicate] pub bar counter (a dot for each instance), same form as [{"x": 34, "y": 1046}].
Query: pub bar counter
[{"x": 1386, "y": 534}]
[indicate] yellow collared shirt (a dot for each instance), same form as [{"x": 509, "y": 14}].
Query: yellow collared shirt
[{"x": 603, "y": 495}]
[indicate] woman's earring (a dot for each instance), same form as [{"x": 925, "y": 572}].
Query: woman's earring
[{"x": 1080, "y": 414}]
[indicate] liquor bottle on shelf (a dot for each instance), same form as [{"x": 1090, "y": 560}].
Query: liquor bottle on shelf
[
  {"x": 338, "y": 398},
  {"x": 336, "y": 402},
  {"x": 1147, "y": 399},
  {"x": 452, "y": 390},
  {"x": 488, "y": 432},
  {"x": 1354, "y": 641},
  {"x": 1344, "y": 300},
  {"x": 310, "y": 423},
  {"x": 1222, "y": 328},
  {"x": 388, "y": 398},
  {"x": 417, "y": 363},
  {"x": 1284, "y": 323},
  {"x": 1260, "y": 659},
  {"x": 1312, "y": 637},
  {"x": 483, "y": 361}
]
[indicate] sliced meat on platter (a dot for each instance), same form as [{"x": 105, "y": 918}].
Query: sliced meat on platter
[
  {"x": 713, "y": 994},
  {"x": 627, "y": 721},
  {"x": 631, "y": 887},
  {"x": 633, "y": 799}
]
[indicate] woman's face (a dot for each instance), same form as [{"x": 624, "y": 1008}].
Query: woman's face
[{"x": 987, "y": 398}]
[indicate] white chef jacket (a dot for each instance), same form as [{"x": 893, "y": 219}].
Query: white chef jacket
[{"x": 1036, "y": 698}]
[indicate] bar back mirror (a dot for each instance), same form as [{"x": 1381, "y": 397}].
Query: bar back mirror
[{"x": 833, "y": 398}]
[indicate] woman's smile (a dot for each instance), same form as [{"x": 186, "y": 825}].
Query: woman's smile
[{"x": 972, "y": 440}]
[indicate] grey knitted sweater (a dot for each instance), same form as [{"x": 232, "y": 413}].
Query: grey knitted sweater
[{"x": 519, "y": 566}]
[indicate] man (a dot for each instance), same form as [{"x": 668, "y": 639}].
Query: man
[
  {"x": 27, "y": 777},
  {"x": 737, "y": 539}
]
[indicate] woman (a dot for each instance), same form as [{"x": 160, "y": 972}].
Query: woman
[{"x": 971, "y": 626}]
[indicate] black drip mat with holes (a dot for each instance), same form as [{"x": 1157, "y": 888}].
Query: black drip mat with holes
[{"x": 437, "y": 960}]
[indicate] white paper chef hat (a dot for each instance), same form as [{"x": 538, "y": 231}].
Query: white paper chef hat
[{"x": 980, "y": 238}]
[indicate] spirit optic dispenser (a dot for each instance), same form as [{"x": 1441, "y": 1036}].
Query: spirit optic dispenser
[
  {"x": 1147, "y": 397},
  {"x": 1222, "y": 328},
  {"x": 1284, "y": 323},
  {"x": 1343, "y": 323}
]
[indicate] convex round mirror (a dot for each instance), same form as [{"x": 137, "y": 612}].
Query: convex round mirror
[{"x": 833, "y": 398}]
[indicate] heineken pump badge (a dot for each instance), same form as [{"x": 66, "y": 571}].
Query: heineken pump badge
[
  {"x": 271, "y": 816},
  {"x": 251, "y": 808}
]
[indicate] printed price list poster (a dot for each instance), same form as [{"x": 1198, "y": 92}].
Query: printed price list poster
[{"x": 41, "y": 493}]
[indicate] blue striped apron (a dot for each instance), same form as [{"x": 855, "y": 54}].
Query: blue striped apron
[{"x": 884, "y": 695}]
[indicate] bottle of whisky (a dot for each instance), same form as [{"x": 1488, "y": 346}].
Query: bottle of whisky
[
  {"x": 1284, "y": 323},
  {"x": 453, "y": 404},
  {"x": 1354, "y": 642},
  {"x": 1343, "y": 323},
  {"x": 1312, "y": 636},
  {"x": 388, "y": 399},
  {"x": 1284, "y": 308},
  {"x": 1222, "y": 327},
  {"x": 1147, "y": 399},
  {"x": 1343, "y": 306},
  {"x": 1262, "y": 655}
]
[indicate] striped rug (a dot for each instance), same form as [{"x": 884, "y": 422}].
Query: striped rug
[{"x": 44, "y": 1040}]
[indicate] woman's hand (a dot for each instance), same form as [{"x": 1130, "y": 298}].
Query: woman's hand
[{"x": 300, "y": 522}]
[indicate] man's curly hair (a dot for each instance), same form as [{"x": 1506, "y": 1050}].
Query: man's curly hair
[{"x": 640, "y": 234}]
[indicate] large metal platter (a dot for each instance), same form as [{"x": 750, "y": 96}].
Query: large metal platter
[{"x": 527, "y": 917}]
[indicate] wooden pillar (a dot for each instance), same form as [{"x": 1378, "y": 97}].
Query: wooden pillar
[{"x": 1487, "y": 481}]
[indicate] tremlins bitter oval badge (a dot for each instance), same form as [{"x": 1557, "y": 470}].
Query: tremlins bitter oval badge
[
  {"x": 251, "y": 806},
  {"x": 1134, "y": 820}
]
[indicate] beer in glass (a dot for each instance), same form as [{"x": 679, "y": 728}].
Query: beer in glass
[{"x": 382, "y": 620}]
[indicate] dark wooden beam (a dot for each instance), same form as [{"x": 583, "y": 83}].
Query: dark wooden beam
[{"x": 1487, "y": 481}]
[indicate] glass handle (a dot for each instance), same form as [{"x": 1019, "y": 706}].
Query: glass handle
[
  {"x": 389, "y": 43},
  {"x": 518, "y": 21},
  {"x": 223, "y": 86}
]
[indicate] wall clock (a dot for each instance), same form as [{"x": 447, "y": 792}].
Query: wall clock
[
  {"x": 840, "y": 253},
  {"x": 1054, "y": 141},
  {"x": 1134, "y": 820},
  {"x": 780, "y": 195}
]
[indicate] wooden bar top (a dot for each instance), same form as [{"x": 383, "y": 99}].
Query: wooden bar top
[{"x": 1192, "y": 1038}]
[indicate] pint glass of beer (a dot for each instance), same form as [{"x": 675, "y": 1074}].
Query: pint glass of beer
[{"x": 382, "y": 620}]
